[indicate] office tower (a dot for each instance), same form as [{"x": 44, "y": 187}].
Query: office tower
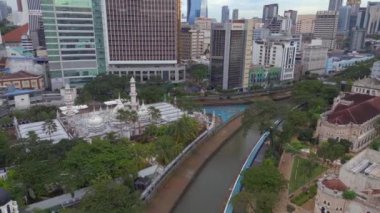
[
  {"x": 276, "y": 52},
  {"x": 335, "y": 5},
  {"x": 196, "y": 9},
  {"x": 261, "y": 34},
  {"x": 231, "y": 54},
  {"x": 20, "y": 6},
  {"x": 360, "y": 19},
  {"x": 74, "y": 41},
  {"x": 326, "y": 27},
  {"x": 225, "y": 14},
  {"x": 372, "y": 18},
  {"x": 358, "y": 38},
  {"x": 36, "y": 30},
  {"x": 279, "y": 25},
  {"x": 235, "y": 14},
  {"x": 314, "y": 57},
  {"x": 344, "y": 20},
  {"x": 305, "y": 24},
  {"x": 355, "y": 4},
  {"x": 142, "y": 39},
  {"x": 204, "y": 24},
  {"x": 292, "y": 14},
  {"x": 269, "y": 11},
  {"x": 191, "y": 43}
]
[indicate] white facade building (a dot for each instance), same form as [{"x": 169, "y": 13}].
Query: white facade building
[
  {"x": 369, "y": 85},
  {"x": 276, "y": 52}
]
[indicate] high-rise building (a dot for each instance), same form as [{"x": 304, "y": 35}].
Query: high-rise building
[
  {"x": 191, "y": 43},
  {"x": 344, "y": 20},
  {"x": 292, "y": 14},
  {"x": 372, "y": 18},
  {"x": 204, "y": 24},
  {"x": 231, "y": 54},
  {"x": 196, "y": 9},
  {"x": 225, "y": 14},
  {"x": 305, "y": 24},
  {"x": 280, "y": 25},
  {"x": 270, "y": 11},
  {"x": 36, "y": 30},
  {"x": 354, "y": 3},
  {"x": 142, "y": 39},
  {"x": 358, "y": 38},
  {"x": 335, "y": 5},
  {"x": 74, "y": 41},
  {"x": 326, "y": 27},
  {"x": 314, "y": 57},
  {"x": 20, "y": 6},
  {"x": 235, "y": 14},
  {"x": 277, "y": 52}
]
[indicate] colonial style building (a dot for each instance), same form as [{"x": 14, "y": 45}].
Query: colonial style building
[
  {"x": 352, "y": 117},
  {"x": 23, "y": 80},
  {"x": 371, "y": 85},
  {"x": 360, "y": 175}
]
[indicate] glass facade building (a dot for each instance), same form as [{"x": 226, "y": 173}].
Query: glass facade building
[
  {"x": 74, "y": 41},
  {"x": 196, "y": 9}
]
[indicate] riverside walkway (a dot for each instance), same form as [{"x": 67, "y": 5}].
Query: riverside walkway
[{"x": 176, "y": 184}]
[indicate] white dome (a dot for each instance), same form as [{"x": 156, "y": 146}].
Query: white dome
[{"x": 95, "y": 121}]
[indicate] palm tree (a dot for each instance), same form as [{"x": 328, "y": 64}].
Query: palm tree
[
  {"x": 32, "y": 137},
  {"x": 154, "y": 113},
  {"x": 49, "y": 127}
]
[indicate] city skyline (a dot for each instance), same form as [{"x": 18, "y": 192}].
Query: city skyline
[{"x": 250, "y": 9}]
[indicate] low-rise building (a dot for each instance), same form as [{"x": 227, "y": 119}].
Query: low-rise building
[
  {"x": 353, "y": 118},
  {"x": 369, "y": 85},
  {"x": 6, "y": 203},
  {"x": 339, "y": 63},
  {"x": 23, "y": 80},
  {"x": 360, "y": 175}
]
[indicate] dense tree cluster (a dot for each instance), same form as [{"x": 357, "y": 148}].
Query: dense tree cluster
[
  {"x": 40, "y": 169},
  {"x": 262, "y": 185}
]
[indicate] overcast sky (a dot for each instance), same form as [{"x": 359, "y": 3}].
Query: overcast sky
[{"x": 254, "y": 8}]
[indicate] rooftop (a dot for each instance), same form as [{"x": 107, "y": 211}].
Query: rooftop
[
  {"x": 18, "y": 75},
  {"x": 15, "y": 35},
  {"x": 334, "y": 184},
  {"x": 37, "y": 127},
  {"x": 355, "y": 108}
]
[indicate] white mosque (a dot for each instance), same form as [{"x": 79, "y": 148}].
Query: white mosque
[{"x": 104, "y": 119}]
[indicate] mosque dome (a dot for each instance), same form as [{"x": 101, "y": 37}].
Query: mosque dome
[{"x": 95, "y": 123}]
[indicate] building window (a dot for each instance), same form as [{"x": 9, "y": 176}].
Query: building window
[{"x": 25, "y": 84}]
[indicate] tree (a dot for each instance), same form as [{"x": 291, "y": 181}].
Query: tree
[
  {"x": 349, "y": 195},
  {"x": 331, "y": 150},
  {"x": 154, "y": 113},
  {"x": 49, "y": 127},
  {"x": 244, "y": 202},
  {"x": 109, "y": 196},
  {"x": 32, "y": 137},
  {"x": 375, "y": 145},
  {"x": 184, "y": 130},
  {"x": 261, "y": 113},
  {"x": 166, "y": 149}
]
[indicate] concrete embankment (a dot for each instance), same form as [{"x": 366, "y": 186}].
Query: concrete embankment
[{"x": 176, "y": 184}]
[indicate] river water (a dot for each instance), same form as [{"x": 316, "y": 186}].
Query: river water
[{"x": 210, "y": 189}]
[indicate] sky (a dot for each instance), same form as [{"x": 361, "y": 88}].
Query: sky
[{"x": 253, "y": 8}]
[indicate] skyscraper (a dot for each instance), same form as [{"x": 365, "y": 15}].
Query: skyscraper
[
  {"x": 142, "y": 39},
  {"x": 231, "y": 54},
  {"x": 292, "y": 14},
  {"x": 326, "y": 27},
  {"x": 74, "y": 41},
  {"x": 270, "y": 11},
  {"x": 335, "y": 5},
  {"x": 235, "y": 14},
  {"x": 372, "y": 18},
  {"x": 196, "y": 9},
  {"x": 225, "y": 14},
  {"x": 344, "y": 20},
  {"x": 305, "y": 24},
  {"x": 354, "y": 2},
  {"x": 36, "y": 30}
]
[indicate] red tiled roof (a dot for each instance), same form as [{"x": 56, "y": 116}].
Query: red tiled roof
[
  {"x": 334, "y": 184},
  {"x": 14, "y": 36},
  {"x": 19, "y": 74},
  {"x": 363, "y": 108}
]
